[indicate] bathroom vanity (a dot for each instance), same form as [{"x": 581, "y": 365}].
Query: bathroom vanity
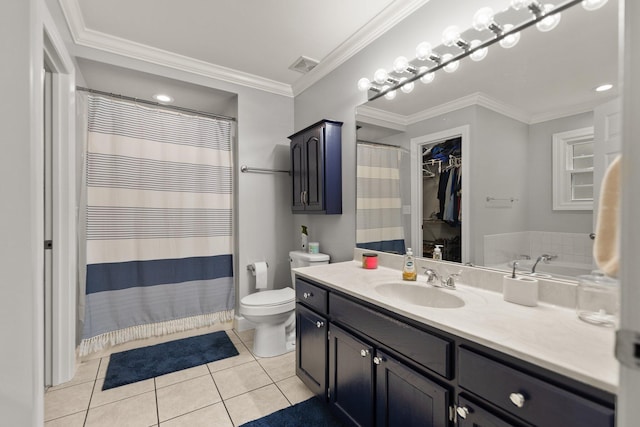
[{"x": 385, "y": 352}]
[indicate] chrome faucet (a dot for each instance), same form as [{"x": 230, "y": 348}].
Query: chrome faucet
[
  {"x": 544, "y": 258},
  {"x": 434, "y": 279}
]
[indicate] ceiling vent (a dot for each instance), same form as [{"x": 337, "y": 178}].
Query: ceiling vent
[{"x": 303, "y": 65}]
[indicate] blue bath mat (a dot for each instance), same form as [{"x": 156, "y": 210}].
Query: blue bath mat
[
  {"x": 310, "y": 413},
  {"x": 147, "y": 362}
]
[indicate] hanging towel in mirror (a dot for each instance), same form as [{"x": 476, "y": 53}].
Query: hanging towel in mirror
[{"x": 607, "y": 241}]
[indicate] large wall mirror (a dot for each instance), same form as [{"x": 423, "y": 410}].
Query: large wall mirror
[{"x": 479, "y": 159}]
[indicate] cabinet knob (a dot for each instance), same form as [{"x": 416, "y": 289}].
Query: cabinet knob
[
  {"x": 364, "y": 352},
  {"x": 319, "y": 324},
  {"x": 462, "y": 412},
  {"x": 307, "y": 295},
  {"x": 517, "y": 399},
  {"x": 378, "y": 360}
]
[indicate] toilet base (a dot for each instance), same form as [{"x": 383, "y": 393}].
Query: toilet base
[{"x": 270, "y": 340}]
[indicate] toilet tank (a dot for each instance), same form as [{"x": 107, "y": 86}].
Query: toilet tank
[{"x": 305, "y": 259}]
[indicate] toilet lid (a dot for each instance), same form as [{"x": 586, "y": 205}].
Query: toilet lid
[{"x": 271, "y": 297}]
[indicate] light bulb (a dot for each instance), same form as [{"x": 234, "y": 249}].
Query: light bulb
[
  {"x": 479, "y": 54},
  {"x": 364, "y": 84},
  {"x": 450, "y": 35},
  {"x": 161, "y": 97},
  {"x": 407, "y": 87},
  {"x": 451, "y": 66},
  {"x": 593, "y": 4},
  {"x": 550, "y": 21},
  {"x": 389, "y": 95},
  {"x": 519, "y": 4},
  {"x": 400, "y": 64},
  {"x": 423, "y": 51},
  {"x": 511, "y": 40},
  {"x": 605, "y": 87},
  {"x": 428, "y": 77},
  {"x": 380, "y": 76},
  {"x": 483, "y": 18}
]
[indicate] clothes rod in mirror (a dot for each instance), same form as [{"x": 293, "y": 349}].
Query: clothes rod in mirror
[{"x": 545, "y": 16}]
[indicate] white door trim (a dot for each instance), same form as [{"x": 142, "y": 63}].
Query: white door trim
[
  {"x": 416, "y": 185},
  {"x": 64, "y": 204}
]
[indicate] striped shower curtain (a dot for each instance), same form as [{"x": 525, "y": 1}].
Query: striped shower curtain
[
  {"x": 379, "y": 222},
  {"x": 159, "y": 238}
]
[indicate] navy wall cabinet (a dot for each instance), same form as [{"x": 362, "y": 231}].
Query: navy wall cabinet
[
  {"x": 382, "y": 369},
  {"x": 316, "y": 168}
]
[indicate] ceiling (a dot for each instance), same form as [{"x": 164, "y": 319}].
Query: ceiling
[{"x": 253, "y": 43}]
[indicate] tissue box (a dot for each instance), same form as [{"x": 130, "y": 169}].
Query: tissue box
[{"x": 520, "y": 290}]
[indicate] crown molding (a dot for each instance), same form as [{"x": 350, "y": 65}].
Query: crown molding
[
  {"x": 380, "y": 24},
  {"x": 383, "y": 118},
  {"x": 119, "y": 46},
  {"x": 586, "y": 107}
]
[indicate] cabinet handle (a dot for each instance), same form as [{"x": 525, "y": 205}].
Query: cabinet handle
[
  {"x": 302, "y": 198},
  {"x": 307, "y": 295},
  {"x": 364, "y": 352},
  {"x": 517, "y": 399},
  {"x": 378, "y": 360},
  {"x": 305, "y": 199},
  {"x": 319, "y": 324},
  {"x": 462, "y": 412}
]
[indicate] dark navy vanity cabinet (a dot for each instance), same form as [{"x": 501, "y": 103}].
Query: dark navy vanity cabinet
[
  {"x": 316, "y": 168},
  {"x": 374, "y": 367}
]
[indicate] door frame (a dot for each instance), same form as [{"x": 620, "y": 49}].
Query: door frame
[
  {"x": 416, "y": 186},
  {"x": 64, "y": 260}
]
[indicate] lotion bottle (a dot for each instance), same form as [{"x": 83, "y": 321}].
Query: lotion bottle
[
  {"x": 437, "y": 253},
  {"x": 409, "y": 267}
]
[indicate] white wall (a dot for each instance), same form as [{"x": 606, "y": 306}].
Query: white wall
[{"x": 21, "y": 300}]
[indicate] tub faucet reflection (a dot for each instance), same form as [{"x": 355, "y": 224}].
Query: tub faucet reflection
[{"x": 544, "y": 258}]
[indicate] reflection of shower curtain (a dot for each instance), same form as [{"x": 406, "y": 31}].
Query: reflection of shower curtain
[
  {"x": 379, "y": 204},
  {"x": 158, "y": 222}
]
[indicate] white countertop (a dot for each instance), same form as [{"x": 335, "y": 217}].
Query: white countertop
[{"x": 546, "y": 335}]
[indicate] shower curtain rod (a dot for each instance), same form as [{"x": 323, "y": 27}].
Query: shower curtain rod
[
  {"x": 156, "y": 104},
  {"x": 381, "y": 144}
]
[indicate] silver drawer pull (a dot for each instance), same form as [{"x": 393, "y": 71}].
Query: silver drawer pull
[
  {"x": 378, "y": 360},
  {"x": 462, "y": 412},
  {"x": 307, "y": 295},
  {"x": 319, "y": 324},
  {"x": 364, "y": 353},
  {"x": 517, "y": 399}
]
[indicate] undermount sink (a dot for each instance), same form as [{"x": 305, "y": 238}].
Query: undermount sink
[{"x": 424, "y": 295}]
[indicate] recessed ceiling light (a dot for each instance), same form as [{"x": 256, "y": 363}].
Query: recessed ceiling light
[
  {"x": 603, "y": 88},
  {"x": 161, "y": 97}
]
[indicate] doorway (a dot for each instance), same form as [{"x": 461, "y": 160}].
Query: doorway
[{"x": 440, "y": 194}]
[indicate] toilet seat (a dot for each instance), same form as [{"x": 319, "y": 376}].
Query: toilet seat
[
  {"x": 269, "y": 298},
  {"x": 267, "y": 303}
]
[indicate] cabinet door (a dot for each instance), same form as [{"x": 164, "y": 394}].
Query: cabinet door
[
  {"x": 311, "y": 350},
  {"x": 298, "y": 173},
  {"x": 314, "y": 144},
  {"x": 471, "y": 415},
  {"x": 407, "y": 398},
  {"x": 350, "y": 377}
]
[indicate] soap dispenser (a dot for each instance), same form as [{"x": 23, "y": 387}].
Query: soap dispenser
[
  {"x": 409, "y": 267},
  {"x": 437, "y": 253}
]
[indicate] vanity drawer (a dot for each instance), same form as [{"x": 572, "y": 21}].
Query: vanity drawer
[
  {"x": 428, "y": 350},
  {"x": 311, "y": 295},
  {"x": 532, "y": 399}
]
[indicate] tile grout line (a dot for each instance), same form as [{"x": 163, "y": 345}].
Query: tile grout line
[
  {"x": 155, "y": 393},
  {"x": 95, "y": 382},
  {"x": 220, "y": 394}
]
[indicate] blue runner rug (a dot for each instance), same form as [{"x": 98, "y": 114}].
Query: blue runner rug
[
  {"x": 310, "y": 413},
  {"x": 147, "y": 362}
]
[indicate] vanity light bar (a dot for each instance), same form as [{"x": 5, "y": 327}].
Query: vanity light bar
[{"x": 545, "y": 16}]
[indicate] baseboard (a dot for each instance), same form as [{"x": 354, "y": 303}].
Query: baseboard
[{"x": 241, "y": 324}]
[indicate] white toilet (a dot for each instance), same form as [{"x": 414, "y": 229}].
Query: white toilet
[{"x": 273, "y": 311}]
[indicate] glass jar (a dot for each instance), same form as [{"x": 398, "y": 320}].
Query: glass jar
[{"x": 598, "y": 299}]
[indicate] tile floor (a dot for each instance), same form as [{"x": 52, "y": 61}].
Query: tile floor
[{"x": 224, "y": 393}]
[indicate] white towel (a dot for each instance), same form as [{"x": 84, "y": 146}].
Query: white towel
[{"x": 606, "y": 248}]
